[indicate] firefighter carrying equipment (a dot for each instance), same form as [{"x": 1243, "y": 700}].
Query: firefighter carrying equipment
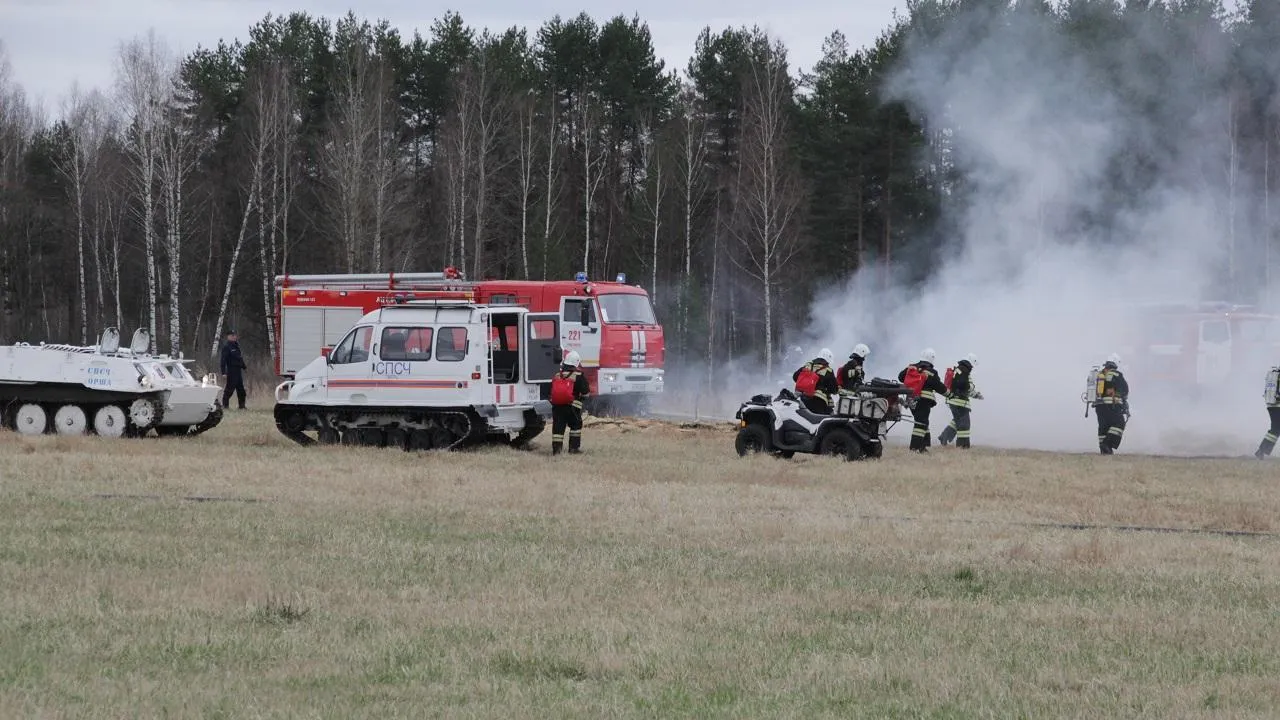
[
  {"x": 960, "y": 389},
  {"x": 816, "y": 383},
  {"x": 568, "y": 415},
  {"x": 930, "y": 388},
  {"x": 1111, "y": 404}
]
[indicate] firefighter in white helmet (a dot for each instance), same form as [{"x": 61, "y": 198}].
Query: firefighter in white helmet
[
  {"x": 959, "y": 400},
  {"x": 816, "y": 382},
  {"x": 923, "y": 379},
  {"x": 569, "y": 388},
  {"x": 1112, "y": 405},
  {"x": 852, "y": 374}
]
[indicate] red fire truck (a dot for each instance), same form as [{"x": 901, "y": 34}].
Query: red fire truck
[
  {"x": 1203, "y": 346},
  {"x": 610, "y": 324}
]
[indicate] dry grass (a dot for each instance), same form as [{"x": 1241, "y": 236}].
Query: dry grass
[{"x": 657, "y": 576}]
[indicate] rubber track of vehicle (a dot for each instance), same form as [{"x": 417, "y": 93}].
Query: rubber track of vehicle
[{"x": 307, "y": 441}]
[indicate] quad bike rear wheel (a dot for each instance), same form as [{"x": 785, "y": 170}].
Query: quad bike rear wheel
[
  {"x": 841, "y": 443},
  {"x": 753, "y": 439}
]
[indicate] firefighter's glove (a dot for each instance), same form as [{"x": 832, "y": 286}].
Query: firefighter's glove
[
  {"x": 1126, "y": 409},
  {"x": 977, "y": 396}
]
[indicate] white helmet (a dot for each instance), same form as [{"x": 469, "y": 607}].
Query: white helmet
[
  {"x": 928, "y": 355},
  {"x": 1114, "y": 358},
  {"x": 572, "y": 358},
  {"x": 973, "y": 359},
  {"x": 827, "y": 355},
  {"x": 861, "y": 350}
]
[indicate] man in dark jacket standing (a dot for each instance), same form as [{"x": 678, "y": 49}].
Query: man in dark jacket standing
[{"x": 233, "y": 366}]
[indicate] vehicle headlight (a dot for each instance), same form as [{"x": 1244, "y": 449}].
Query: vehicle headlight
[{"x": 144, "y": 381}]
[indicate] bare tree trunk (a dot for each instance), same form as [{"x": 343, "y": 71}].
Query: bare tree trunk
[
  {"x": 591, "y": 175},
  {"x": 553, "y": 196},
  {"x": 231, "y": 271},
  {"x": 651, "y": 166},
  {"x": 97, "y": 258},
  {"x": 527, "y": 148}
]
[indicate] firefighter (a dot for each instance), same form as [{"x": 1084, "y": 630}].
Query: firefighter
[
  {"x": 932, "y": 387},
  {"x": 232, "y": 366},
  {"x": 852, "y": 374},
  {"x": 568, "y": 389},
  {"x": 1269, "y": 440},
  {"x": 958, "y": 399},
  {"x": 1112, "y": 405},
  {"x": 816, "y": 383}
]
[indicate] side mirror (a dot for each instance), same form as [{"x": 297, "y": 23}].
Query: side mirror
[
  {"x": 326, "y": 353},
  {"x": 585, "y": 315},
  {"x": 557, "y": 354}
]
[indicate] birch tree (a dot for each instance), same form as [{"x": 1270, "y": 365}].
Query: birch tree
[
  {"x": 527, "y": 146},
  {"x": 179, "y": 153},
  {"x": 768, "y": 192},
  {"x": 143, "y": 78},
  {"x": 350, "y": 147},
  {"x": 593, "y": 160},
  {"x": 551, "y": 180},
  {"x": 85, "y": 118},
  {"x": 653, "y": 191}
]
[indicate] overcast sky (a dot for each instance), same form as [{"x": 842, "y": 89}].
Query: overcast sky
[{"x": 51, "y": 43}]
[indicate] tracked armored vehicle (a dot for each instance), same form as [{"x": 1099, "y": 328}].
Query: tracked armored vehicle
[
  {"x": 433, "y": 374},
  {"x": 103, "y": 389}
]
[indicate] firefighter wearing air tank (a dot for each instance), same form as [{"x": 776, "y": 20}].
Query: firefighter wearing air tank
[
  {"x": 1271, "y": 395},
  {"x": 1111, "y": 405},
  {"x": 923, "y": 377},
  {"x": 960, "y": 394},
  {"x": 816, "y": 383},
  {"x": 568, "y": 389}
]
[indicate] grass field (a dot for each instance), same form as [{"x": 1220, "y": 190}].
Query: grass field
[{"x": 657, "y": 576}]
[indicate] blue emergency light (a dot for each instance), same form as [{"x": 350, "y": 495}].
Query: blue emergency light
[
  {"x": 622, "y": 277},
  {"x": 580, "y": 277}
]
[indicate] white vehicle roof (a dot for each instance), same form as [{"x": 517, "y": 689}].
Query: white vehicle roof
[{"x": 435, "y": 311}]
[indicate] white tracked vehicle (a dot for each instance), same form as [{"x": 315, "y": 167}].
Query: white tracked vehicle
[
  {"x": 103, "y": 389},
  {"x": 428, "y": 375}
]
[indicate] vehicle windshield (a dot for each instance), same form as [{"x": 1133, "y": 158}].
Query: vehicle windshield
[{"x": 627, "y": 309}]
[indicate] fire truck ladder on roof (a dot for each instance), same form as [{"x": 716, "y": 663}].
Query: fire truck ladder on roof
[{"x": 388, "y": 280}]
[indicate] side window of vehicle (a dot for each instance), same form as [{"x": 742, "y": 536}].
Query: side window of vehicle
[
  {"x": 573, "y": 311},
  {"x": 360, "y": 349},
  {"x": 406, "y": 344},
  {"x": 451, "y": 344},
  {"x": 341, "y": 355}
]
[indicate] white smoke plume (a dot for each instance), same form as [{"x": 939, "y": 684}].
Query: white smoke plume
[{"x": 1038, "y": 294}]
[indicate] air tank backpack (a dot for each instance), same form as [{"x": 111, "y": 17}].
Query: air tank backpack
[
  {"x": 562, "y": 390},
  {"x": 914, "y": 379},
  {"x": 807, "y": 382},
  {"x": 951, "y": 373}
]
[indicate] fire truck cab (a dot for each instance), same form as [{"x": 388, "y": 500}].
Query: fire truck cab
[
  {"x": 611, "y": 325},
  {"x": 1205, "y": 344}
]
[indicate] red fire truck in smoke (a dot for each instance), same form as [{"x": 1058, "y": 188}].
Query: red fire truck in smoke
[
  {"x": 1203, "y": 346},
  {"x": 610, "y": 324}
]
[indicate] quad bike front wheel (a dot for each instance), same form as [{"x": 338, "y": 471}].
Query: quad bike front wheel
[
  {"x": 753, "y": 439},
  {"x": 841, "y": 443}
]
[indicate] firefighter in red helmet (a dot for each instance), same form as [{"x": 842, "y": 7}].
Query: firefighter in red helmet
[
  {"x": 569, "y": 388},
  {"x": 928, "y": 398},
  {"x": 816, "y": 383}
]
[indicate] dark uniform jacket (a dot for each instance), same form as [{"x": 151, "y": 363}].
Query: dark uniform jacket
[
  {"x": 827, "y": 385},
  {"x": 581, "y": 387},
  {"x": 852, "y": 375},
  {"x": 232, "y": 362},
  {"x": 933, "y": 385}
]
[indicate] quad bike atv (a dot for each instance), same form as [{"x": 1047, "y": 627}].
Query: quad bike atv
[{"x": 782, "y": 426}]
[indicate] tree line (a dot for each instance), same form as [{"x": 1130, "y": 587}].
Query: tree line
[{"x": 731, "y": 189}]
